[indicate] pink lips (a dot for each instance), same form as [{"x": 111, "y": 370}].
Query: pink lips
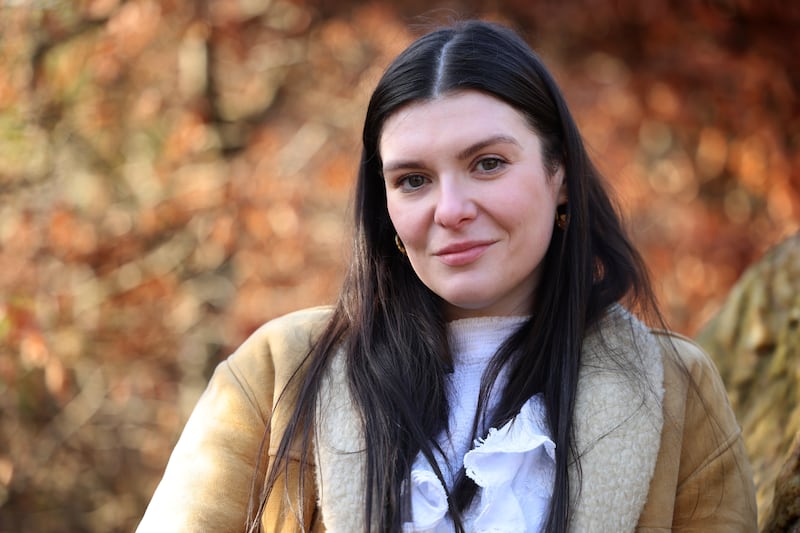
[{"x": 462, "y": 253}]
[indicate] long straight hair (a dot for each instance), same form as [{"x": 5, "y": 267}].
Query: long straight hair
[{"x": 390, "y": 327}]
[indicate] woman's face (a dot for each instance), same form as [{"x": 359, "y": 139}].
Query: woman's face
[{"x": 469, "y": 196}]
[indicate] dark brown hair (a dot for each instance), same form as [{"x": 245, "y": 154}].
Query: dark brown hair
[{"x": 390, "y": 326}]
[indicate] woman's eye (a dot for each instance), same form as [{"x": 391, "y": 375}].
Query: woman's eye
[
  {"x": 414, "y": 181},
  {"x": 489, "y": 164}
]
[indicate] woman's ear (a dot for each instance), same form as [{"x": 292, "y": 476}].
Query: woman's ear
[{"x": 562, "y": 186}]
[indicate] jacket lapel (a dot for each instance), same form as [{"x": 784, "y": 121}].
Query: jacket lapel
[
  {"x": 618, "y": 422},
  {"x": 339, "y": 449}
]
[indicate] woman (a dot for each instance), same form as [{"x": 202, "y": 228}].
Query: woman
[{"x": 478, "y": 372}]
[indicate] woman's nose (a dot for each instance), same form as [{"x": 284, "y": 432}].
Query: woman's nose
[{"x": 454, "y": 205}]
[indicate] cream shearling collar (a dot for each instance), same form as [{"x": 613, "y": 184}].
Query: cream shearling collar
[{"x": 618, "y": 422}]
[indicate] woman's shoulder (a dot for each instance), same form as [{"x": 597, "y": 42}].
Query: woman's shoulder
[
  {"x": 661, "y": 356},
  {"x": 298, "y": 328},
  {"x": 681, "y": 351},
  {"x": 619, "y": 326},
  {"x": 301, "y": 325},
  {"x": 279, "y": 346}
]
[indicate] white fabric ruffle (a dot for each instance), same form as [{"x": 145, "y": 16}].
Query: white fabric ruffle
[
  {"x": 428, "y": 502},
  {"x": 514, "y": 468}
]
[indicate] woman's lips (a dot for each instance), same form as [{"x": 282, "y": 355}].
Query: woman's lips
[{"x": 460, "y": 254}]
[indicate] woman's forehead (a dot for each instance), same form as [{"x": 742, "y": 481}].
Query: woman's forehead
[{"x": 462, "y": 117}]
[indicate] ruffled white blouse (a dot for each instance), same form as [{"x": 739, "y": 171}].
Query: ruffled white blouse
[{"x": 513, "y": 466}]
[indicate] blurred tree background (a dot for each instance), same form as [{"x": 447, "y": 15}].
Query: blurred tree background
[{"x": 174, "y": 173}]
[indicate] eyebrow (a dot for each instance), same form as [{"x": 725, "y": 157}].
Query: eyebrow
[
  {"x": 463, "y": 154},
  {"x": 480, "y": 145}
]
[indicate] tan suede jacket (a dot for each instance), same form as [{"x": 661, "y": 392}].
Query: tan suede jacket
[{"x": 657, "y": 454}]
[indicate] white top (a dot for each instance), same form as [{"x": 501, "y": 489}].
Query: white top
[{"x": 513, "y": 466}]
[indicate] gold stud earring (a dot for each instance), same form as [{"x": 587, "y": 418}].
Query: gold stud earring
[
  {"x": 399, "y": 244},
  {"x": 562, "y": 220}
]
